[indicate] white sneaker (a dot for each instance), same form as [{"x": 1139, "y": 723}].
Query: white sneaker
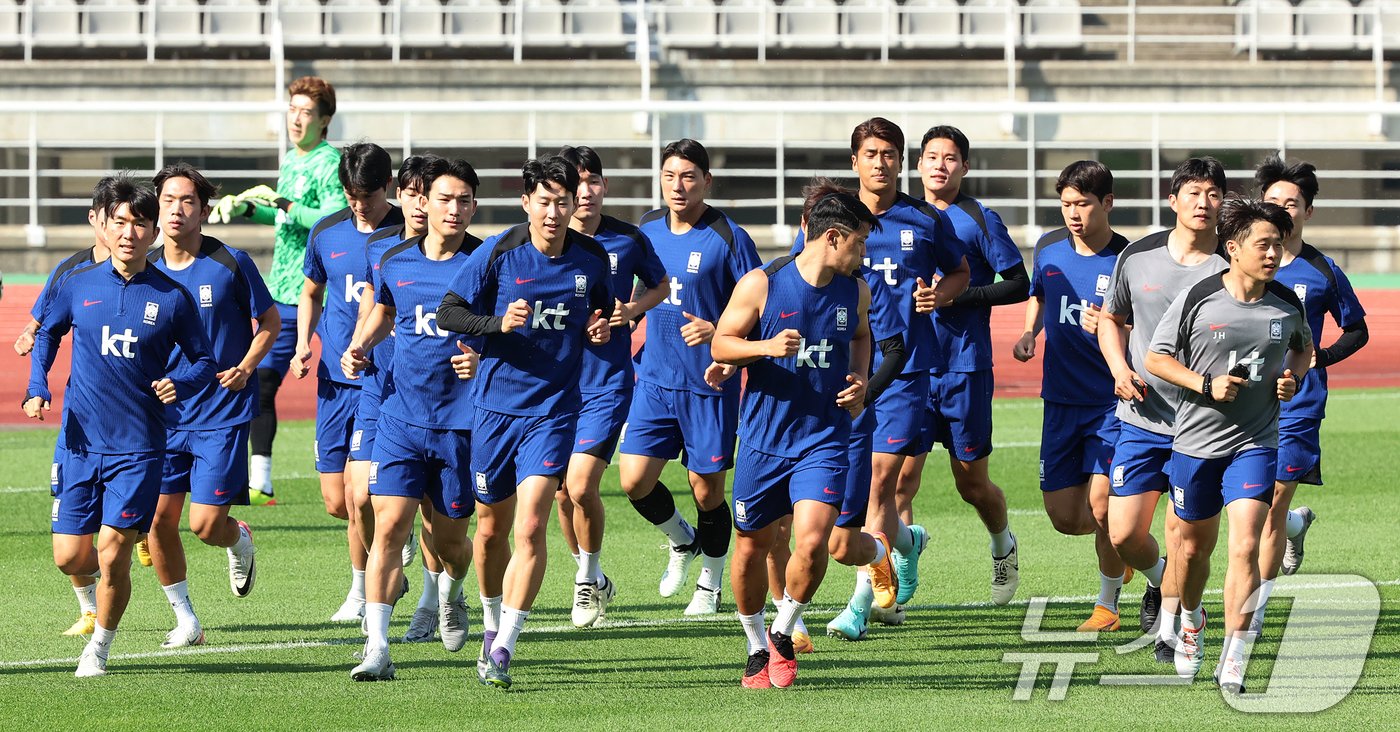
[
  {"x": 1006, "y": 575},
  {"x": 182, "y": 636},
  {"x": 410, "y": 547},
  {"x": 1293, "y": 548},
  {"x": 677, "y": 567},
  {"x": 703, "y": 602},
  {"x": 887, "y": 616},
  {"x": 351, "y": 611},
  {"x": 1190, "y": 649},
  {"x": 242, "y": 569},
  {"x": 591, "y": 601},
  {"x": 92, "y": 663},
  {"x": 453, "y": 624},
  {"x": 375, "y": 667},
  {"x": 1229, "y": 675},
  {"x": 423, "y": 627}
]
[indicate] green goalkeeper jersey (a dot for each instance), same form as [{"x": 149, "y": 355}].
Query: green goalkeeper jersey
[{"x": 312, "y": 182}]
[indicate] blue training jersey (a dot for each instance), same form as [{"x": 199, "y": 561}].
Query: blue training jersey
[
  {"x": 1324, "y": 290},
  {"x": 534, "y": 370},
  {"x": 123, "y": 334},
  {"x": 964, "y": 332},
  {"x": 420, "y": 388},
  {"x": 336, "y": 256},
  {"x": 914, "y": 240},
  {"x": 229, "y": 293},
  {"x": 703, "y": 264},
  {"x": 68, "y": 266},
  {"x": 789, "y": 406},
  {"x": 379, "y": 244},
  {"x": 1067, "y": 282},
  {"x": 630, "y": 254}
]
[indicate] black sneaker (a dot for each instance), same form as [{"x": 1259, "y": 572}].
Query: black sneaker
[
  {"x": 1165, "y": 653},
  {"x": 1151, "y": 607}
]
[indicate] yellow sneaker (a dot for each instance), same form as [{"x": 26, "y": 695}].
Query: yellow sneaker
[
  {"x": 802, "y": 643},
  {"x": 143, "y": 552},
  {"x": 1103, "y": 619},
  {"x": 258, "y": 498},
  {"x": 87, "y": 622},
  {"x": 882, "y": 577}
]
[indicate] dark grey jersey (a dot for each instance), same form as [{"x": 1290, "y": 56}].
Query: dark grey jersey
[
  {"x": 1145, "y": 280},
  {"x": 1211, "y": 332}
]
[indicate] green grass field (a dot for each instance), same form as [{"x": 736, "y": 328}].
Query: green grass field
[{"x": 274, "y": 662}]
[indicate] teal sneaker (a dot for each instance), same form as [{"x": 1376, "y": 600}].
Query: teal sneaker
[
  {"x": 906, "y": 568},
  {"x": 849, "y": 625}
]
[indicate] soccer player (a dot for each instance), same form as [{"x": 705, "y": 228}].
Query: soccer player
[
  {"x": 422, "y": 628},
  {"x": 914, "y": 243},
  {"x": 128, "y": 317},
  {"x": 423, "y": 445},
  {"x": 1148, "y": 275},
  {"x": 308, "y": 190},
  {"x": 961, "y": 381},
  {"x": 336, "y": 262},
  {"x": 85, "y": 581},
  {"x": 1324, "y": 289},
  {"x": 206, "y": 452},
  {"x": 799, "y": 326},
  {"x": 1072, "y": 269},
  {"x": 1235, "y": 344},
  {"x": 607, "y": 379},
  {"x": 684, "y": 400},
  {"x": 538, "y": 292}
]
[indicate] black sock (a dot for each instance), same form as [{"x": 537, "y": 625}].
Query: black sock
[
  {"x": 264, "y": 427},
  {"x": 713, "y": 529},
  {"x": 658, "y": 507}
]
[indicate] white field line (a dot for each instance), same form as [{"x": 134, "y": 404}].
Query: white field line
[{"x": 560, "y": 628}]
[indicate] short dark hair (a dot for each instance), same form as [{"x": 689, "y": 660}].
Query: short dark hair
[
  {"x": 456, "y": 168},
  {"x": 202, "y": 187},
  {"x": 1206, "y": 169},
  {"x": 947, "y": 132},
  {"x": 552, "y": 169},
  {"x": 880, "y": 129},
  {"x": 102, "y": 193},
  {"x": 1238, "y": 214},
  {"x": 687, "y": 149},
  {"x": 839, "y": 210},
  {"x": 141, "y": 200},
  {"x": 1086, "y": 176},
  {"x": 582, "y": 158},
  {"x": 364, "y": 167},
  {"x": 413, "y": 170},
  {"x": 1273, "y": 170}
]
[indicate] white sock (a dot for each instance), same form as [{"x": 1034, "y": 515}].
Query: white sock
[
  {"x": 87, "y": 598},
  {"x": 244, "y": 543},
  {"x": 864, "y": 596},
  {"x": 260, "y": 473},
  {"x": 576, "y": 557},
  {"x": 179, "y": 596},
  {"x": 490, "y": 613},
  {"x": 1266, "y": 589},
  {"x": 879, "y": 551},
  {"x": 512, "y": 621},
  {"x": 1168, "y": 616},
  {"x": 1154, "y": 574},
  {"x": 788, "y": 612},
  {"x": 449, "y": 587},
  {"x": 711, "y": 572},
  {"x": 754, "y": 632},
  {"x": 903, "y": 540},
  {"x": 429, "y": 599},
  {"x": 1002, "y": 543},
  {"x": 1192, "y": 618},
  {"x": 377, "y": 621},
  {"x": 800, "y": 627},
  {"x": 677, "y": 530},
  {"x": 1109, "y": 588},
  {"x": 588, "y": 567},
  {"x": 1294, "y": 524},
  {"x": 102, "y": 638},
  {"x": 357, "y": 585}
]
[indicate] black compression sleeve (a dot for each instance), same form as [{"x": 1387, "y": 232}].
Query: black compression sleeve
[
  {"x": 455, "y": 315},
  {"x": 895, "y": 355},
  {"x": 1350, "y": 341},
  {"x": 1014, "y": 287}
]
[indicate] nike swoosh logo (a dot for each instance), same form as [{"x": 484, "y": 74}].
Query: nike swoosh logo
[
  {"x": 1215, "y": 326},
  {"x": 376, "y": 266},
  {"x": 456, "y": 505},
  {"x": 787, "y": 315},
  {"x": 90, "y": 303},
  {"x": 1053, "y": 273},
  {"x": 1252, "y": 486},
  {"x": 520, "y": 281},
  {"x": 716, "y": 458},
  {"x": 971, "y": 449},
  {"x": 829, "y": 492},
  {"x": 1292, "y": 469},
  {"x": 128, "y": 515},
  {"x": 403, "y": 283},
  {"x": 548, "y": 464},
  {"x": 220, "y": 491},
  {"x": 895, "y": 440},
  {"x": 337, "y": 255},
  {"x": 1151, "y": 288},
  {"x": 586, "y": 442}
]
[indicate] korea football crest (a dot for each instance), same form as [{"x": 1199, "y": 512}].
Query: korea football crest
[
  {"x": 206, "y": 296},
  {"x": 1275, "y": 330},
  {"x": 152, "y": 311},
  {"x": 1101, "y": 287},
  {"x": 841, "y": 318},
  {"x": 906, "y": 240},
  {"x": 580, "y": 285}
]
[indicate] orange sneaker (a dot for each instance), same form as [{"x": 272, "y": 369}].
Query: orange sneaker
[
  {"x": 756, "y": 672},
  {"x": 1103, "y": 619},
  {"x": 882, "y": 577},
  {"x": 802, "y": 643},
  {"x": 143, "y": 552},
  {"x": 782, "y": 661}
]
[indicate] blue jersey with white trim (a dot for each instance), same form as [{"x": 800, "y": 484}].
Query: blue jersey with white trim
[
  {"x": 379, "y": 244},
  {"x": 336, "y": 256},
  {"x": 1067, "y": 282},
  {"x": 534, "y": 370},
  {"x": 229, "y": 294},
  {"x": 123, "y": 334},
  {"x": 630, "y": 254},
  {"x": 1325, "y": 290},
  {"x": 420, "y": 387},
  {"x": 68, "y": 266},
  {"x": 964, "y": 332}
]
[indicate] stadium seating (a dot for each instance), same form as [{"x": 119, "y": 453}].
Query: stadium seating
[
  {"x": 1325, "y": 24},
  {"x": 596, "y": 24},
  {"x": 112, "y": 23},
  {"x": 10, "y": 23},
  {"x": 177, "y": 22},
  {"x": 1275, "y": 32},
  {"x": 929, "y": 24},
  {"x": 301, "y": 23},
  {"x": 420, "y": 23},
  {"x": 687, "y": 24},
  {"x": 475, "y": 23},
  {"x": 869, "y": 23},
  {"x": 1366, "y": 18},
  {"x": 747, "y": 24},
  {"x": 233, "y": 23},
  {"x": 988, "y": 23},
  {"x": 55, "y": 22},
  {"x": 808, "y": 24},
  {"x": 1054, "y": 24},
  {"x": 543, "y": 23},
  {"x": 354, "y": 23}
]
